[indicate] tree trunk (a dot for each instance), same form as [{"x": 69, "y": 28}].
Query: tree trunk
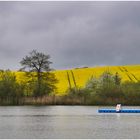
[{"x": 39, "y": 83}]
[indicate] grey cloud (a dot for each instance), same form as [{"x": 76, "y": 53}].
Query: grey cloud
[{"x": 74, "y": 33}]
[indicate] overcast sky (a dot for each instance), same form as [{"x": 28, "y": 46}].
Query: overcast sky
[{"x": 75, "y": 34}]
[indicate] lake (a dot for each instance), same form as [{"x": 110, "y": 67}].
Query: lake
[{"x": 66, "y": 122}]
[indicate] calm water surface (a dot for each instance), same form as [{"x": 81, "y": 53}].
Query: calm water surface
[{"x": 66, "y": 122}]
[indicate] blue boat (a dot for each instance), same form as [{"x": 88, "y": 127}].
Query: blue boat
[{"x": 119, "y": 110}]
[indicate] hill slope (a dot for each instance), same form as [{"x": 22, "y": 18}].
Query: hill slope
[{"x": 80, "y": 76}]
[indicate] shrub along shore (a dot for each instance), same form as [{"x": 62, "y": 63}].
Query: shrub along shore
[{"x": 105, "y": 90}]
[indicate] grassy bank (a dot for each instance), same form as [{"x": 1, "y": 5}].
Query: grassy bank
[
  {"x": 46, "y": 100},
  {"x": 68, "y": 100}
]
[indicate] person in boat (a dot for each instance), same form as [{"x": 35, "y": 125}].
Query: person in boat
[{"x": 118, "y": 107}]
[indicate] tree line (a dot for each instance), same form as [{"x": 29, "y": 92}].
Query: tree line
[
  {"x": 40, "y": 87},
  {"x": 109, "y": 89}
]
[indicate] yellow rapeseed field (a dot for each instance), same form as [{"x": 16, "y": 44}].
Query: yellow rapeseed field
[{"x": 82, "y": 75}]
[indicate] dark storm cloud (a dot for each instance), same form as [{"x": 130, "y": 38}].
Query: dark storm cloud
[{"x": 74, "y": 33}]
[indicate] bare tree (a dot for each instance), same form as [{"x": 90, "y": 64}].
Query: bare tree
[{"x": 37, "y": 62}]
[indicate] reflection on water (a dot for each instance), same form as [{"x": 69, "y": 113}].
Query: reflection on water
[{"x": 66, "y": 122}]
